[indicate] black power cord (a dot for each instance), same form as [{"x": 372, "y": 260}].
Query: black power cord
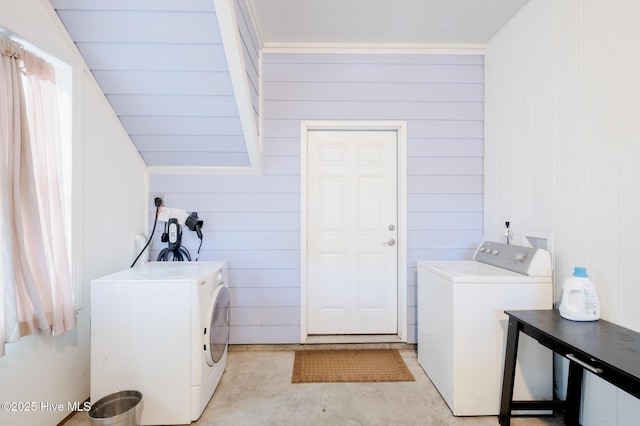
[
  {"x": 174, "y": 252},
  {"x": 158, "y": 202},
  {"x": 199, "y": 246}
]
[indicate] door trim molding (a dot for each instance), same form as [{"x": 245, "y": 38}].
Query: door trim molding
[{"x": 400, "y": 127}]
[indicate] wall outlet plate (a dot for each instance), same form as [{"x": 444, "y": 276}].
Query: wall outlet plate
[{"x": 162, "y": 196}]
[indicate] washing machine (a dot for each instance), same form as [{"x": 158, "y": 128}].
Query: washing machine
[
  {"x": 462, "y": 327},
  {"x": 161, "y": 328}
]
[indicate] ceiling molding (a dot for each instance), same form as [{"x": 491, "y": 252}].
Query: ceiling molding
[{"x": 375, "y": 48}]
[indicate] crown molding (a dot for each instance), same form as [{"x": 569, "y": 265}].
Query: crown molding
[{"x": 376, "y": 48}]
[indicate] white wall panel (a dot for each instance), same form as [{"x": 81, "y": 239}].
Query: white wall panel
[
  {"x": 562, "y": 90},
  {"x": 542, "y": 133},
  {"x": 601, "y": 149},
  {"x": 497, "y": 129},
  {"x": 628, "y": 409},
  {"x": 600, "y": 187},
  {"x": 254, "y": 221},
  {"x": 569, "y": 158},
  {"x": 43, "y": 368},
  {"x": 628, "y": 93},
  {"x": 521, "y": 146}
]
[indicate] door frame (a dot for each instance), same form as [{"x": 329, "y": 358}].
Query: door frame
[{"x": 400, "y": 127}]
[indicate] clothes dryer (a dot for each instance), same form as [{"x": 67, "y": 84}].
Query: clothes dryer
[
  {"x": 462, "y": 326},
  {"x": 161, "y": 328}
]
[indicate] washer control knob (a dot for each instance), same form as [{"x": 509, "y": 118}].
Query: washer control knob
[
  {"x": 495, "y": 252},
  {"x": 520, "y": 257}
]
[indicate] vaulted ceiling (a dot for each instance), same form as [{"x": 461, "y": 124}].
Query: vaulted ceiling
[
  {"x": 183, "y": 75},
  {"x": 398, "y": 22}
]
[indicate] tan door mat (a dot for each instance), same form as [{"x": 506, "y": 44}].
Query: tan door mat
[{"x": 350, "y": 365}]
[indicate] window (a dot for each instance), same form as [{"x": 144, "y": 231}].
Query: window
[{"x": 36, "y": 286}]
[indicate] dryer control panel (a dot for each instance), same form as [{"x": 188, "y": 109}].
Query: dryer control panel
[{"x": 523, "y": 260}]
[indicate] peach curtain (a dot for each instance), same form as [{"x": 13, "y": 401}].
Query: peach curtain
[{"x": 35, "y": 286}]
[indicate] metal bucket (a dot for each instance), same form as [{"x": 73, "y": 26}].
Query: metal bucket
[{"x": 122, "y": 408}]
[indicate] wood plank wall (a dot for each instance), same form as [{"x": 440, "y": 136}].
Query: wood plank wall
[
  {"x": 253, "y": 222},
  {"x": 562, "y": 154}
]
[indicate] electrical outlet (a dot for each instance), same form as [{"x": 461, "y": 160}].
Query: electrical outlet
[{"x": 161, "y": 196}]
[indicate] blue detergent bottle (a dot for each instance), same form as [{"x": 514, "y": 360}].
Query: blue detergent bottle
[{"x": 579, "y": 297}]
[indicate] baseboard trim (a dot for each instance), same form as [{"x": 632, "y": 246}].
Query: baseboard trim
[{"x": 319, "y": 346}]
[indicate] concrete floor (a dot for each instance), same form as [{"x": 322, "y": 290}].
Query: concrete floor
[{"x": 256, "y": 390}]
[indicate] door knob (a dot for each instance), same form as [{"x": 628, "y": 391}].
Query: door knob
[{"x": 389, "y": 243}]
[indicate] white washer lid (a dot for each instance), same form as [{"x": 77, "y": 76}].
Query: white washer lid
[
  {"x": 472, "y": 271},
  {"x": 154, "y": 271}
]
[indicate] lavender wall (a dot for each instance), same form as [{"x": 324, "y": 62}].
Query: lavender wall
[{"x": 253, "y": 222}]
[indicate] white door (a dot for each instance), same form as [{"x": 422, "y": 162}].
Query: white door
[{"x": 352, "y": 232}]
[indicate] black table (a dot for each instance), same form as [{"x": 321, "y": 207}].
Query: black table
[{"x": 607, "y": 350}]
